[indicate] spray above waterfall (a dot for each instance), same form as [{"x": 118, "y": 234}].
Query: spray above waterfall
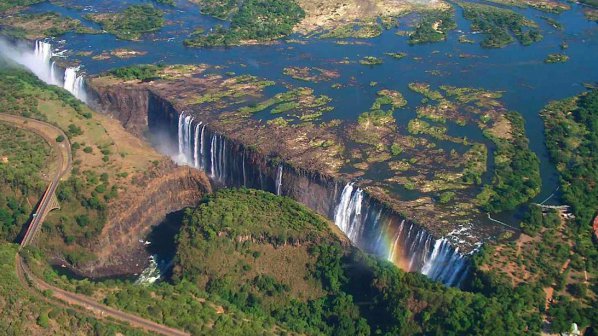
[{"x": 41, "y": 62}]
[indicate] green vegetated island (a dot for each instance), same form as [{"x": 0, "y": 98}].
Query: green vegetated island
[
  {"x": 261, "y": 21},
  {"x": 443, "y": 172},
  {"x": 131, "y": 22}
]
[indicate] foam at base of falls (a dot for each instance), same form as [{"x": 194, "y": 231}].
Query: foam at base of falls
[{"x": 150, "y": 274}]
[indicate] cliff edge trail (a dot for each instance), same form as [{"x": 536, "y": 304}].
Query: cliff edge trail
[{"x": 50, "y": 134}]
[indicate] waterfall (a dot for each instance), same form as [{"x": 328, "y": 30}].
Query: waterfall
[
  {"x": 201, "y": 147},
  {"x": 43, "y": 51},
  {"x": 73, "y": 83},
  {"x": 342, "y": 210},
  {"x": 445, "y": 263},
  {"x": 196, "y": 146},
  {"x": 70, "y": 78},
  {"x": 79, "y": 89},
  {"x": 187, "y": 138},
  {"x": 213, "y": 157},
  {"x": 348, "y": 215},
  {"x": 180, "y": 134},
  {"x": 53, "y": 79},
  {"x": 393, "y": 247},
  {"x": 46, "y": 70},
  {"x": 38, "y": 61},
  {"x": 412, "y": 248},
  {"x": 279, "y": 180}
]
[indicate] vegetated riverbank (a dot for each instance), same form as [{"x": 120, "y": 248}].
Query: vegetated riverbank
[
  {"x": 119, "y": 186},
  {"x": 558, "y": 249},
  {"x": 228, "y": 278},
  {"x": 26, "y": 311}
]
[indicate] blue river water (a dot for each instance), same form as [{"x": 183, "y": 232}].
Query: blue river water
[{"x": 518, "y": 71}]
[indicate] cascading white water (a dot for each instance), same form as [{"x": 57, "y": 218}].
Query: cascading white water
[
  {"x": 187, "y": 138},
  {"x": 354, "y": 229},
  {"x": 342, "y": 209},
  {"x": 213, "y": 157},
  {"x": 366, "y": 225},
  {"x": 414, "y": 248},
  {"x": 445, "y": 263},
  {"x": 79, "y": 89},
  {"x": 201, "y": 148},
  {"x": 43, "y": 50},
  {"x": 180, "y": 134},
  {"x": 150, "y": 274},
  {"x": 70, "y": 77},
  {"x": 42, "y": 65},
  {"x": 348, "y": 215},
  {"x": 279, "y": 180},
  {"x": 393, "y": 247},
  {"x": 196, "y": 146}
]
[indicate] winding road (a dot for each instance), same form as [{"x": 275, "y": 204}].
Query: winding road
[{"x": 47, "y": 203}]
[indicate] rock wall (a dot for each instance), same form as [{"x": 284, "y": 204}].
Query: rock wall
[{"x": 165, "y": 189}]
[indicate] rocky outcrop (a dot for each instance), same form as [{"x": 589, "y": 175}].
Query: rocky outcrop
[
  {"x": 126, "y": 105},
  {"x": 163, "y": 190}
]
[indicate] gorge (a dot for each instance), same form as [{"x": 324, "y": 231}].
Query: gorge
[{"x": 370, "y": 225}]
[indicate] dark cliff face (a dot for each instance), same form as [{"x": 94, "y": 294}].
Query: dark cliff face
[
  {"x": 129, "y": 106},
  {"x": 164, "y": 190}
]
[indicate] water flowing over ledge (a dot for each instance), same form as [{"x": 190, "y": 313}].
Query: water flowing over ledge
[
  {"x": 367, "y": 222},
  {"x": 42, "y": 62}
]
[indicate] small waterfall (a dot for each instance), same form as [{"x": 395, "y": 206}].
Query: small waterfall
[
  {"x": 201, "y": 148},
  {"x": 393, "y": 247},
  {"x": 187, "y": 138},
  {"x": 348, "y": 215},
  {"x": 70, "y": 77},
  {"x": 342, "y": 210},
  {"x": 180, "y": 135},
  {"x": 53, "y": 74},
  {"x": 196, "y": 146},
  {"x": 446, "y": 263},
  {"x": 213, "y": 156},
  {"x": 39, "y": 60},
  {"x": 74, "y": 83},
  {"x": 43, "y": 51},
  {"x": 279, "y": 180}
]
